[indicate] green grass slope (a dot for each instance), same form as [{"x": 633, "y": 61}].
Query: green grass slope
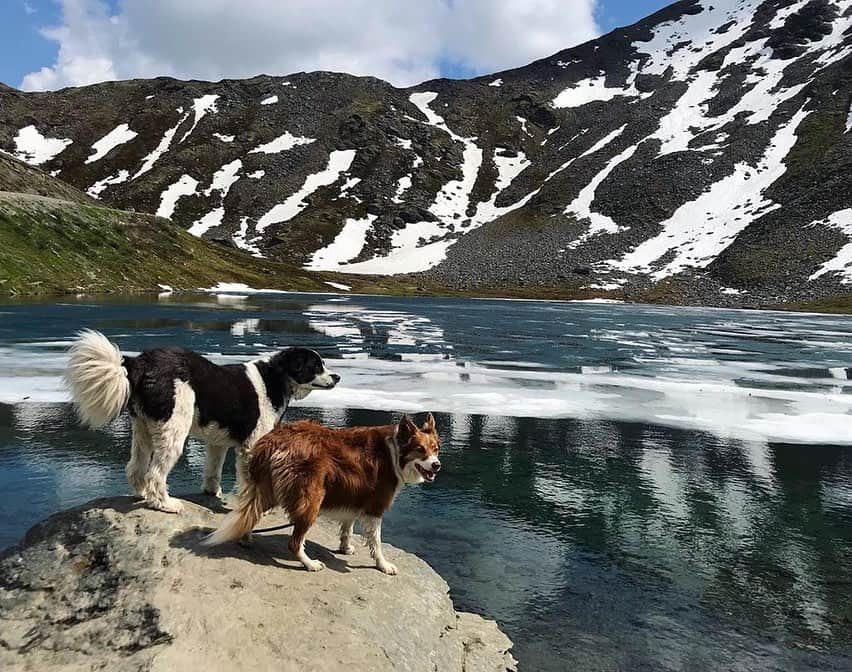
[{"x": 55, "y": 239}]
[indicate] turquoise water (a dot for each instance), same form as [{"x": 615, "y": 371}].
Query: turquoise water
[{"x": 624, "y": 487}]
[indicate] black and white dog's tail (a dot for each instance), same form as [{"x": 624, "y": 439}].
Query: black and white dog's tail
[{"x": 97, "y": 379}]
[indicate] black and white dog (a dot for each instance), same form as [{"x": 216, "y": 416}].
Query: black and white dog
[{"x": 173, "y": 393}]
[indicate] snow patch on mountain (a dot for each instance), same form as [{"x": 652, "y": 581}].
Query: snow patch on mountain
[
  {"x": 162, "y": 147},
  {"x": 185, "y": 186},
  {"x": 403, "y": 184},
  {"x": 496, "y": 82},
  {"x": 241, "y": 239},
  {"x": 842, "y": 261},
  {"x": 593, "y": 89},
  {"x": 451, "y": 202},
  {"x": 346, "y": 246},
  {"x": 405, "y": 255},
  {"x": 282, "y": 143},
  {"x": 338, "y": 162},
  {"x": 700, "y": 230},
  {"x": 224, "y": 138},
  {"x": 581, "y": 207},
  {"x": 269, "y": 101},
  {"x": 117, "y": 136},
  {"x": 599, "y": 145},
  {"x": 224, "y": 178},
  {"x": 201, "y": 106},
  {"x": 682, "y": 44},
  {"x": 98, "y": 187},
  {"x": 35, "y": 149},
  {"x": 207, "y": 222}
]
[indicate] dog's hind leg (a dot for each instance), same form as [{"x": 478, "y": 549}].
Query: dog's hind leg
[
  {"x": 303, "y": 517},
  {"x": 213, "y": 469},
  {"x": 346, "y": 547},
  {"x": 373, "y": 536},
  {"x": 168, "y": 439},
  {"x": 140, "y": 455}
]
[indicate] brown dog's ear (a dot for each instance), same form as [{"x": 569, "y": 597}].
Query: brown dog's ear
[
  {"x": 429, "y": 425},
  {"x": 405, "y": 430}
]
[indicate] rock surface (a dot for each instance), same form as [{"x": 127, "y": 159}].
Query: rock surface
[{"x": 113, "y": 586}]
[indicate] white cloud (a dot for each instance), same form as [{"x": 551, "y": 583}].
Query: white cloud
[{"x": 402, "y": 41}]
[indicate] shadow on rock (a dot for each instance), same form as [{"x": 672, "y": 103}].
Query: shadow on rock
[{"x": 263, "y": 550}]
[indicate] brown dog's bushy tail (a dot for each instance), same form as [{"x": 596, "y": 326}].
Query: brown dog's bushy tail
[{"x": 240, "y": 521}]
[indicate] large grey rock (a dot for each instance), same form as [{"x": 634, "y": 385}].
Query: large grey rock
[{"x": 112, "y": 586}]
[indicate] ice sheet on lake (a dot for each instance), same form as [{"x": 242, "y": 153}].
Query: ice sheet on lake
[{"x": 729, "y": 398}]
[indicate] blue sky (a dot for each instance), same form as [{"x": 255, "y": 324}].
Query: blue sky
[{"x": 24, "y": 49}]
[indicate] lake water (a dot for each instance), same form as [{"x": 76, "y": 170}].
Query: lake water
[{"x": 624, "y": 487}]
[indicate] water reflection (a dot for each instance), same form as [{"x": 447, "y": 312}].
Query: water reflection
[{"x": 596, "y": 544}]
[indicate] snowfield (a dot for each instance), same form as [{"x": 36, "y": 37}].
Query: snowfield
[
  {"x": 117, "y": 136},
  {"x": 36, "y": 149}
]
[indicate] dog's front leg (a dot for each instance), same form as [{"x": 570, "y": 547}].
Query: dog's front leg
[{"x": 373, "y": 537}]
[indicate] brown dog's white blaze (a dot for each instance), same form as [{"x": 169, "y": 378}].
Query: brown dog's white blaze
[{"x": 345, "y": 474}]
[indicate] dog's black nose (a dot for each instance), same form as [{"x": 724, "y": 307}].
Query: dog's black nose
[
  {"x": 335, "y": 378},
  {"x": 436, "y": 466}
]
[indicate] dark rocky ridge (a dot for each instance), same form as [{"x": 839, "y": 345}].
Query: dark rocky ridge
[{"x": 766, "y": 254}]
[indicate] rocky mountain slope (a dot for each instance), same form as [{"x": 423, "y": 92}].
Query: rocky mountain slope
[
  {"x": 113, "y": 586},
  {"x": 701, "y": 155}
]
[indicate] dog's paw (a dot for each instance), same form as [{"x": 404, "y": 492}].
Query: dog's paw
[
  {"x": 314, "y": 565},
  {"x": 346, "y": 550},
  {"x": 213, "y": 492},
  {"x": 388, "y": 568},
  {"x": 168, "y": 505}
]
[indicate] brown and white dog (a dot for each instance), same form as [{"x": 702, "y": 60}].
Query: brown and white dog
[{"x": 344, "y": 474}]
